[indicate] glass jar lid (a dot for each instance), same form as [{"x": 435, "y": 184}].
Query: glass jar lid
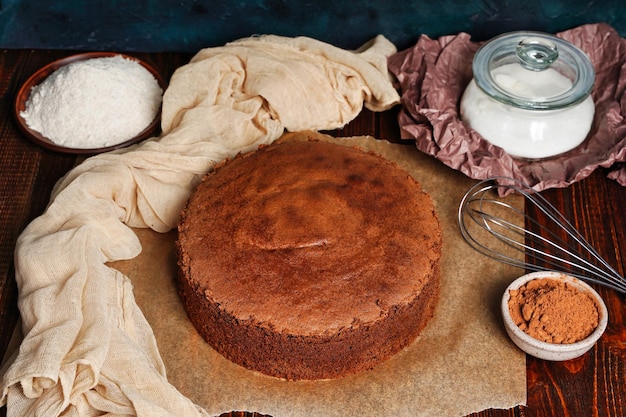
[{"x": 533, "y": 70}]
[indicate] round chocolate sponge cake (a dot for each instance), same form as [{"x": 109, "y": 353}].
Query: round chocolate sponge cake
[{"x": 309, "y": 260}]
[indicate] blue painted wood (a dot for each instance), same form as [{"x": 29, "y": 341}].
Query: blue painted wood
[{"x": 189, "y": 25}]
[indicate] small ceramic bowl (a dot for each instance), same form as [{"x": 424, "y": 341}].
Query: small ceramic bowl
[
  {"x": 44, "y": 72},
  {"x": 545, "y": 350}
]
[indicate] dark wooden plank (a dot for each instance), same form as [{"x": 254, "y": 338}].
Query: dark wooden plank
[
  {"x": 595, "y": 383},
  {"x": 23, "y": 190}
]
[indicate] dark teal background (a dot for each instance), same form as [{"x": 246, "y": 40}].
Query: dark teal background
[{"x": 188, "y": 25}]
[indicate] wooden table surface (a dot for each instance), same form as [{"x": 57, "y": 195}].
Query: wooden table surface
[{"x": 593, "y": 385}]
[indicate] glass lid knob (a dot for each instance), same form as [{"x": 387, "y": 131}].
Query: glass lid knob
[{"x": 536, "y": 54}]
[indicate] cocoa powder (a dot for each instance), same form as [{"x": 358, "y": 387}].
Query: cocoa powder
[{"x": 553, "y": 311}]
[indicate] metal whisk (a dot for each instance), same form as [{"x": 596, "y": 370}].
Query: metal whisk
[{"x": 496, "y": 229}]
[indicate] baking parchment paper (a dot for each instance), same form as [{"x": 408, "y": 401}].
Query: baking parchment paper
[
  {"x": 433, "y": 75},
  {"x": 462, "y": 363}
]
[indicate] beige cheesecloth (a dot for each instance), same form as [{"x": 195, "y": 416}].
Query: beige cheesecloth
[{"x": 87, "y": 349}]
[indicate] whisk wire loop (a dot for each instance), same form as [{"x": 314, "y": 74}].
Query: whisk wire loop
[{"x": 498, "y": 230}]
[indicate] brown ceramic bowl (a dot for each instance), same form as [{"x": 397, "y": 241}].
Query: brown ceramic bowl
[{"x": 41, "y": 74}]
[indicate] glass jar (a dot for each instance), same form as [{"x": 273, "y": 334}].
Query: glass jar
[{"x": 530, "y": 94}]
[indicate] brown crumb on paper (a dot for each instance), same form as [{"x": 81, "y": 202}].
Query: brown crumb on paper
[{"x": 553, "y": 311}]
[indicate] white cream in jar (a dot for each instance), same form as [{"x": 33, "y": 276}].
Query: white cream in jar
[{"x": 532, "y": 110}]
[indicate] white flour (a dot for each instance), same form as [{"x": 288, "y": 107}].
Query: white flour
[{"x": 94, "y": 103}]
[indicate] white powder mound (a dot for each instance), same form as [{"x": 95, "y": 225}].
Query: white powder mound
[{"x": 94, "y": 103}]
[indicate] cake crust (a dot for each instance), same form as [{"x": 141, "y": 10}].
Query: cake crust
[{"x": 309, "y": 260}]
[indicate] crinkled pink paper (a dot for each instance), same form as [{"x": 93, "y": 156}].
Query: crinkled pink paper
[{"x": 432, "y": 77}]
